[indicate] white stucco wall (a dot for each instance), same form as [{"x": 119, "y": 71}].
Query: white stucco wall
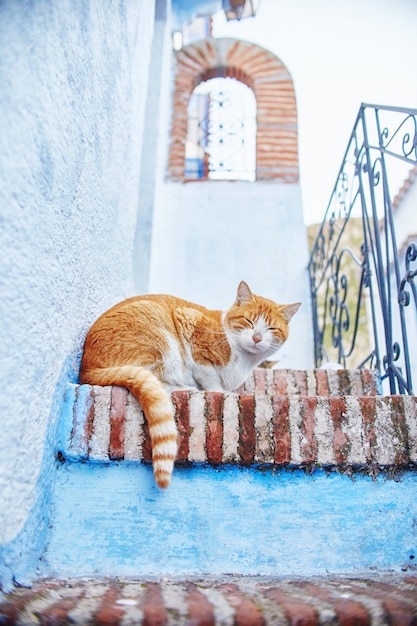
[
  {"x": 207, "y": 236},
  {"x": 73, "y": 87}
]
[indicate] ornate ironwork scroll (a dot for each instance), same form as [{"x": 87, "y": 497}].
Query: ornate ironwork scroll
[{"x": 363, "y": 263}]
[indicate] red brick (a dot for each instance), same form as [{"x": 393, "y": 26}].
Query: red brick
[
  {"x": 412, "y": 580},
  {"x": 200, "y": 611},
  {"x": 307, "y": 406},
  {"x": 241, "y": 56},
  {"x": 337, "y": 407},
  {"x": 349, "y": 612},
  {"x": 280, "y": 381},
  {"x": 180, "y": 400},
  {"x": 282, "y": 434},
  {"x": 109, "y": 614},
  {"x": 247, "y": 437},
  {"x": 398, "y": 611},
  {"x": 56, "y": 614},
  {"x": 214, "y": 431},
  {"x": 117, "y": 423},
  {"x": 246, "y": 611},
  {"x": 402, "y": 454},
  {"x": 297, "y": 612},
  {"x": 154, "y": 613},
  {"x": 10, "y": 610},
  {"x": 224, "y": 72},
  {"x": 405, "y": 595},
  {"x": 9, "y": 613},
  {"x": 301, "y": 382},
  {"x": 344, "y": 382},
  {"x": 368, "y": 382},
  {"x": 146, "y": 446},
  {"x": 368, "y": 409},
  {"x": 259, "y": 375},
  {"x": 322, "y": 383}
]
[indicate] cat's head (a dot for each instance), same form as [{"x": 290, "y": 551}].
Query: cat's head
[{"x": 257, "y": 325}]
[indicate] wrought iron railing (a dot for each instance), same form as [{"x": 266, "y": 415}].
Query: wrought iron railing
[{"x": 363, "y": 262}]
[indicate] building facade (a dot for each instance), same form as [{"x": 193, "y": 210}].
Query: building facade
[{"x": 94, "y": 208}]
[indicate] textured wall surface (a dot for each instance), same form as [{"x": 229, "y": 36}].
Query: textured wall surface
[{"x": 72, "y": 100}]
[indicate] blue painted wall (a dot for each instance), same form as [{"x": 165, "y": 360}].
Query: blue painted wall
[
  {"x": 73, "y": 92},
  {"x": 113, "y": 520}
]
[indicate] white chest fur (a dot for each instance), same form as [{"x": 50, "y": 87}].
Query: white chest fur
[{"x": 182, "y": 372}]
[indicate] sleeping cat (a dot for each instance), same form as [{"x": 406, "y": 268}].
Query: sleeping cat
[{"x": 155, "y": 344}]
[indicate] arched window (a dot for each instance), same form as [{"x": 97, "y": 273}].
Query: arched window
[
  {"x": 221, "y": 131},
  {"x": 256, "y": 71}
]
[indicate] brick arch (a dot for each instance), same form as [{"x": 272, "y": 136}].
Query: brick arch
[
  {"x": 224, "y": 72},
  {"x": 267, "y": 76}
]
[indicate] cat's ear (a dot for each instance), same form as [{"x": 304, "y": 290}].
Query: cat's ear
[
  {"x": 288, "y": 310},
  {"x": 244, "y": 294}
]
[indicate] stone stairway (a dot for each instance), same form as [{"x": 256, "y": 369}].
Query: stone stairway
[{"x": 292, "y": 502}]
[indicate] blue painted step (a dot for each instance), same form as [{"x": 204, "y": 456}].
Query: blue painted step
[
  {"x": 244, "y": 513},
  {"x": 111, "y": 519}
]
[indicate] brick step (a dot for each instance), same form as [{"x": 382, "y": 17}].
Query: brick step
[
  {"x": 319, "y": 382},
  {"x": 253, "y": 601},
  {"x": 105, "y": 424}
]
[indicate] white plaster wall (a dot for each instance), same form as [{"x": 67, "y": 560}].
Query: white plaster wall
[
  {"x": 73, "y": 86},
  {"x": 207, "y": 236}
]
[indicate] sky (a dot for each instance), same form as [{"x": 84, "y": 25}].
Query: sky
[{"x": 339, "y": 53}]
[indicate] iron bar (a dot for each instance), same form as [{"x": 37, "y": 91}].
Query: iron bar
[{"x": 363, "y": 265}]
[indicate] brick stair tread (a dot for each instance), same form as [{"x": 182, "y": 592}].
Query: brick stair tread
[
  {"x": 314, "y": 382},
  {"x": 386, "y": 598},
  {"x": 105, "y": 424}
]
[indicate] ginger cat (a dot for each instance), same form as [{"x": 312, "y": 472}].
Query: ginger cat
[{"x": 155, "y": 344}]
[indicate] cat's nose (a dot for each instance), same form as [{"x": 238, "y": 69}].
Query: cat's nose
[{"x": 257, "y": 337}]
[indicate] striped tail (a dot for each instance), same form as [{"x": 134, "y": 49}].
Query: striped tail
[{"x": 157, "y": 407}]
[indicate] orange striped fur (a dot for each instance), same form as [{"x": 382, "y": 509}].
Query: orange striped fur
[{"x": 155, "y": 344}]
